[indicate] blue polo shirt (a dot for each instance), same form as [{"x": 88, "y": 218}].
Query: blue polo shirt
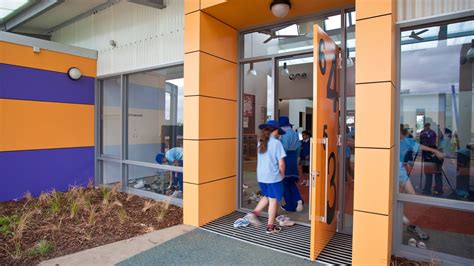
[
  {"x": 174, "y": 154},
  {"x": 267, "y": 163},
  {"x": 290, "y": 140}
]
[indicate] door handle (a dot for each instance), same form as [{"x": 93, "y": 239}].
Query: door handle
[{"x": 326, "y": 174}]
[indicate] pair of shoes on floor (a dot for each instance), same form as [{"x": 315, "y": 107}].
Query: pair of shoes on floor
[
  {"x": 273, "y": 230},
  {"x": 255, "y": 197},
  {"x": 284, "y": 220},
  {"x": 241, "y": 222},
  {"x": 253, "y": 219},
  {"x": 412, "y": 243},
  {"x": 418, "y": 232},
  {"x": 139, "y": 184}
]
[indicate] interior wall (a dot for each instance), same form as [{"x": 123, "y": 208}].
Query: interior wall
[{"x": 144, "y": 36}]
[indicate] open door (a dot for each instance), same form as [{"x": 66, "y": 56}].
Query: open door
[{"x": 324, "y": 147}]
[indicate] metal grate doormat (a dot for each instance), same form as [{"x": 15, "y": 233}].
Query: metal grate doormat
[{"x": 293, "y": 240}]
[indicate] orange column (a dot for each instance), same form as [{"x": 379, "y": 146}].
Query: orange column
[
  {"x": 210, "y": 116},
  {"x": 375, "y": 112}
]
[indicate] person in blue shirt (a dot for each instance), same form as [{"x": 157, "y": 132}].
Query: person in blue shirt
[
  {"x": 270, "y": 172},
  {"x": 291, "y": 144},
  {"x": 410, "y": 146},
  {"x": 173, "y": 156},
  {"x": 304, "y": 157}
]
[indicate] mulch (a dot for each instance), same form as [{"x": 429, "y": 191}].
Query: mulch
[
  {"x": 399, "y": 261},
  {"x": 103, "y": 217}
]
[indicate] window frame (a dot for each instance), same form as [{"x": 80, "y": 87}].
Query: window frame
[{"x": 123, "y": 160}]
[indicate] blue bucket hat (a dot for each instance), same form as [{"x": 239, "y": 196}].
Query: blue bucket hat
[
  {"x": 159, "y": 158},
  {"x": 272, "y": 124},
  {"x": 284, "y": 121}
]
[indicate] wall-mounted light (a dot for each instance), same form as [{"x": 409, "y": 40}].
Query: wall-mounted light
[
  {"x": 74, "y": 73},
  {"x": 285, "y": 71},
  {"x": 252, "y": 70},
  {"x": 280, "y": 8}
]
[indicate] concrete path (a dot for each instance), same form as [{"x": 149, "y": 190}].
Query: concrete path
[
  {"x": 200, "y": 247},
  {"x": 113, "y": 253}
]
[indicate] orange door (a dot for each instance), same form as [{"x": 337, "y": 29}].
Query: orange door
[{"x": 324, "y": 159}]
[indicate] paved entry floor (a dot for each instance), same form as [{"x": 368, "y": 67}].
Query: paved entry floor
[{"x": 206, "y": 248}]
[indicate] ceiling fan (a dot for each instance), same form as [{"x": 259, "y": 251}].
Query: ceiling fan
[
  {"x": 272, "y": 33},
  {"x": 416, "y": 35}
]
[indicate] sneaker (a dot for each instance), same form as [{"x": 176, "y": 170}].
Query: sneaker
[
  {"x": 139, "y": 184},
  {"x": 417, "y": 231},
  {"x": 299, "y": 208},
  {"x": 282, "y": 218},
  {"x": 253, "y": 219},
  {"x": 286, "y": 222},
  {"x": 241, "y": 222},
  {"x": 274, "y": 230}
]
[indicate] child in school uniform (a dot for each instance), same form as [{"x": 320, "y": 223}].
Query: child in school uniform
[{"x": 270, "y": 172}]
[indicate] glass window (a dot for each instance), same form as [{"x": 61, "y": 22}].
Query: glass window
[
  {"x": 448, "y": 231},
  {"x": 111, "y": 122},
  {"x": 289, "y": 38},
  {"x": 111, "y": 172},
  {"x": 258, "y": 107},
  {"x": 436, "y": 113},
  {"x": 156, "y": 180},
  {"x": 349, "y": 153},
  {"x": 155, "y": 113},
  {"x": 437, "y": 135}
]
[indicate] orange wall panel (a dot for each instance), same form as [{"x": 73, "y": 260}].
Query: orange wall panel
[
  {"x": 375, "y": 108},
  {"x": 218, "y": 38},
  {"x": 209, "y": 201},
  {"x": 191, "y": 6},
  {"x": 211, "y": 159},
  {"x": 209, "y": 118},
  {"x": 371, "y": 239},
  {"x": 21, "y": 55},
  {"x": 371, "y": 8},
  {"x": 374, "y": 175},
  {"x": 192, "y": 32},
  {"x": 31, "y": 125},
  {"x": 210, "y": 76},
  {"x": 375, "y": 52},
  {"x": 209, "y": 3}
]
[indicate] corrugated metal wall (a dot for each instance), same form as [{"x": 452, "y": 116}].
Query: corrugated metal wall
[
  {"x": 145, "y": 36},
  {"x": 414, "y": 9}
]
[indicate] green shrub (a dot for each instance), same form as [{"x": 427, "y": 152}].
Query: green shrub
[{"x": 7, "y": 224}]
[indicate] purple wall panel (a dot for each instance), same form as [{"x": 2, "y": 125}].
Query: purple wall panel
[
  {"x": 42, "y": 170},
  {"x": 41, "y": 85}
]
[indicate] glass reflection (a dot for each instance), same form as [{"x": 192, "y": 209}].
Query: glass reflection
[{"x": 436, "y": 111}]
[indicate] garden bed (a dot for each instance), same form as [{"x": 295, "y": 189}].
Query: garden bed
[
  {"x": 398, "y": 261},
  {"x": 57, "y": 224}
]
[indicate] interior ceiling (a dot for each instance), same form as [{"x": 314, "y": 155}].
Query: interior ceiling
[
  {"x": 243, "y": 14},
  {"x": 57, "y": 15}
]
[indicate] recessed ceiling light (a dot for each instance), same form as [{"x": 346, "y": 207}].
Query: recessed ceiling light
[{"x": 10, "y": 6}]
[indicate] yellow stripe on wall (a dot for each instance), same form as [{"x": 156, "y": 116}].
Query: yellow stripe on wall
[
  {"x": 31, "y": 125},
  {"x": 20, "y": 55}
]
